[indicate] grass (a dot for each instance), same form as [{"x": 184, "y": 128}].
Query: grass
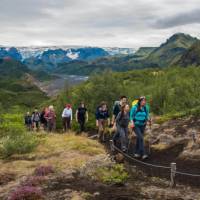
[{"x": 61, "y": 151}]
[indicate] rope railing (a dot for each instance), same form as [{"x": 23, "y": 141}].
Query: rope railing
[{"x": 172, "y": 168}]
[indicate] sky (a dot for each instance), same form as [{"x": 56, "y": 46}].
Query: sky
[{"x": 105, "y": 23}]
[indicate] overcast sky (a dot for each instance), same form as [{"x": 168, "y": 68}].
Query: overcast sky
[{"x": 123, "y": 23}]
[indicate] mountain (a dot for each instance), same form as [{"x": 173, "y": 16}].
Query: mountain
[
  {"x": 191, "y": 56},
  {"x": 49, "y": 59},
  {"x": 171, "y": 51},
  {"x": 113, "y": 51},
  {"x": 15, "y": 88},
  {"x": 11, "y": 52},
  {"x": 143, "y": 52}
]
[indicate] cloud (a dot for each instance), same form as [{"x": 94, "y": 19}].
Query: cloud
[
  {"x": 130, "y": 23},
  {"x": 185, "y": 18}
]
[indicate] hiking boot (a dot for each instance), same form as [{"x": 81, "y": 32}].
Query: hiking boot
[
  {"x": 144, "y": 157},
  {"x": 136, "y": 155}
]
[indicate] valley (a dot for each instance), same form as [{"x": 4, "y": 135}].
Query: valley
[{"x": 60, "y": 82}]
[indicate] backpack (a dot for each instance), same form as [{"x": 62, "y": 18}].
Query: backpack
[
  {"x": 117, "y": 103},
  {"x": 135, "y": 102},
  {"x": 36, "y": 117},
  {"x": 138, "y": 110}
]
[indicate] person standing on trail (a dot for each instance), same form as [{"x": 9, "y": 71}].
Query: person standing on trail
[
  {"x": 51, "y": 119},
  {"x": 82, "y": 116},
  {"x": 43, "y": 119},
  {"x": 28, "y": 121},
  {"x": 116, "y": 110},
  {"x": 36, "y": 119},
  {"x": 139, "y": 117},
  {"x": 102, "y": 119},
  {"x": 122, "y": 123},
  {"x": 67, "y": 117}
]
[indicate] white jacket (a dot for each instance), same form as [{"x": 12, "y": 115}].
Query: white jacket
[{"x": 67, "y": 113}]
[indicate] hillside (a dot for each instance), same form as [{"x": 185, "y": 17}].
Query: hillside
[
  {"x": 171, "y": 51},
  {"x": 90, "y": 60},
  {"x": 143, "y": 52},
  {"x": 15, "y": 88},
  {"x": 165, "y": 55},
  {"x": 191, "y": 57},
  {"x": 163, "y": 89}
]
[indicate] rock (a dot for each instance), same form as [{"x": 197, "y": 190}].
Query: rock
[
  {"x": 166, "y": 139},
  {"x": 96, "y": 194},
  {"x": 98, "y": 161}
]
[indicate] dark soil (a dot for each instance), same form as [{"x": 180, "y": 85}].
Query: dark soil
[{"x": 97, "y": 190}]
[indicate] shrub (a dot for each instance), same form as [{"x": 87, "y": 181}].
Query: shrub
[
  {"x": 115, "y": 174},
  {"x": 13, "y": 137},
  {"x": 18, "y": 145},
  {"x": 26, "y": 193},
  {"x": 43, "y": 170}
]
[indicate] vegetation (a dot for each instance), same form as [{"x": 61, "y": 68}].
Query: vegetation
[
  {"x": 27, "y": 193},
  {"x": 16, "y": 89},
  {"x": 172, "y": 92},
  {"x": 112, "y": 175},
  {"x": 13, "y": 137}
]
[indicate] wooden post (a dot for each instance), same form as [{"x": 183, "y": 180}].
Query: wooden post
[
  {"x": 194, "y": 136},
  {"x": 111, "y": 146},
  {"x": 173, "y": 174}
]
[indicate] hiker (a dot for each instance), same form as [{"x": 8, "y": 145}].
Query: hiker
[
  {"x": 36, "y": 119},
  {"x": 28, "y": 121},
  {"x": 102, "y": 119},
  {"x": 51, "y": 119},
  {"x": 122, "y": 123},
  {"x": 67, "y": 117},
  {"x": 82, "y": 116},
  {"x": 116, "y": 110},
  {"x": 117, "y": 107},
  {"x": 139, "y": 116},
  {"x": 43, "y": 119}
]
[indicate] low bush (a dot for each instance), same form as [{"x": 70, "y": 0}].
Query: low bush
[
  {"x": 26, "y": 193},
  {"x": 18, "y": 145},
  {"x": 115, "y": 174},
  {"x": 13, "y": 137}
]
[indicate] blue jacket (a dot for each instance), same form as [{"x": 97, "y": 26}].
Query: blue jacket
[
  {"x": 139, "y": 117},
  {"x": 100, "y": 114}
]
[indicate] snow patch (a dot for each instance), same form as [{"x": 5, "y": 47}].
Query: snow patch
[{"x": 72, "y": 55}]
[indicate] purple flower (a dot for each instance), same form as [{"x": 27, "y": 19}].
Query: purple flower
[{"x": 26, "y": 193}]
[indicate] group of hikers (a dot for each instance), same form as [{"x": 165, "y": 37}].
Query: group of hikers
[
  {"x": 124, "y": 119},
  {"x": 46, "y": 119}
]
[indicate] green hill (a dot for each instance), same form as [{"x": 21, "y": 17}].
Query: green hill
[
  {"x": 15, "y": 88},
  {"x": 143, "y": 52},
  {"x": 171, "y": 51},
  {"x": 191, "y": 56}
]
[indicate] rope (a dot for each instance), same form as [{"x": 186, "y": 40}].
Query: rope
[
  {"x": 153, "y": 165},
  {"x": 139, "y": 161}
]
